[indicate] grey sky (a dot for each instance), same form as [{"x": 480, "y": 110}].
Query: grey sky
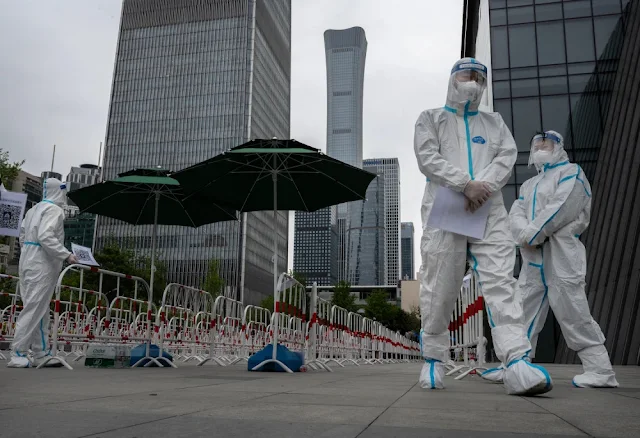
[{"x": 58, "y": 62}]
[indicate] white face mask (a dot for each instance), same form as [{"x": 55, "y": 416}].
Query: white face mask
[
  {"x": 469, "y": 90},
  {"x": 541, "y": 158}
]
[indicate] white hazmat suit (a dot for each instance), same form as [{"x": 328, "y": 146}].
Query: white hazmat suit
[
  {"x": 455, "y": 145},
  {"x": 553, "y": 210},
  {"x": 41, "y": 258}
]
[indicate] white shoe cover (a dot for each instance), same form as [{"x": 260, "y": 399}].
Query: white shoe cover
[
  {"x": 494, "y": 375},
  {"x": 598, "y": 372},
  {"x": 18, "y": 362},
  {"x": 432, "y": 374},
  {"x": 593, "y": 380},
  {"x": 524, "y": 378}
]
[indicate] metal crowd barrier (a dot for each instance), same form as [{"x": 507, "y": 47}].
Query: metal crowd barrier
[
  {"x": 466, "y": 331},
  {"x": 191, "y": 325}
]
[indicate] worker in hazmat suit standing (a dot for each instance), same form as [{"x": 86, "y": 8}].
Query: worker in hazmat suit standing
[
  {"x": 553, "y": 209},
  {"x": 41, "y": 258},
  {"x": 470, "y": 152}
]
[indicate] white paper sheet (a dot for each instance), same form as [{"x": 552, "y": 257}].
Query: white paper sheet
[
  {"x": 448, "y": 214},
  {"x": 84, "y": 255},
  {"x": 12, "y": 205}
]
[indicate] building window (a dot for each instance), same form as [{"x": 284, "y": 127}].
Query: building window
[
  {"x": 579, "y": 35},
  {"x": 550, "y": 43},
  {"x": 522, "y": 52}
]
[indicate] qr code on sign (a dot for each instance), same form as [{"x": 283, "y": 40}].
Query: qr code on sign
[
  {"x": 9, "y": 216},
  {"x": 82, "y": 254}
]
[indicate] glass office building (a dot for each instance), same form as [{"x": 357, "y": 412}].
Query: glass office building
[
  {"x": 366, "y": 236},
  {"x": 389, "y": 168},
  {"x": 314, "y": 242},
  {"x": 315, "y": 246},
  {"x": 408, "y": 271},
  {"x": 561, "y": 65},
  {"x": 191, "y": 80}
]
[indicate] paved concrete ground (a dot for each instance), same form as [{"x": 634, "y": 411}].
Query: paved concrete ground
[{"x": 367, "y": 401}]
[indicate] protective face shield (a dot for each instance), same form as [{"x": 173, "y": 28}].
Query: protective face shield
[
  {"x": 546, "y": 148},
  {"x": 467, "y": 84}
]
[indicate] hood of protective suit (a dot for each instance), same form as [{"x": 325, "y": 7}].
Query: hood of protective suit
[
  {"x": 558, "y": 155},
  {"x": 455, "y": 97},
  {"x": 54, "y": 191}
]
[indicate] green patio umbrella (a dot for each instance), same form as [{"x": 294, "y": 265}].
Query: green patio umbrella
[
  {"x": 149, "y": 197},
  {"x": 275, "y": 175}
]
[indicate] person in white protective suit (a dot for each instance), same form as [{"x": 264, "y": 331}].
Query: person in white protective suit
[
  {"x": 546, "y": 221},
  {"x": 471, "y": 152},
  {"x": 41, "y": 257}
]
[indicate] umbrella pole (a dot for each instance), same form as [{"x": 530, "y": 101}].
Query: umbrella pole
[
  {"x": 276, "y": 296},
  {"x": 150, "y": 305},
  {"x": 275, "y": 260}
]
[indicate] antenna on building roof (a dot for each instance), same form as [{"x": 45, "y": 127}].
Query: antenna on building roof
[{"x": 53, "y": 158}]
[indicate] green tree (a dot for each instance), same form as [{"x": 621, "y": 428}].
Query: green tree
[
  {"x": 8, "y": 171},
  {"x": 342, "y": 297},
  {"x": 268, "y": 303},
  {"x": 379, "y": 308},
  {"x": 213, "y": 283}
]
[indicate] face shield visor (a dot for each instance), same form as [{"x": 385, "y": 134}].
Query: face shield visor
[{"x": 544, "y": 148}]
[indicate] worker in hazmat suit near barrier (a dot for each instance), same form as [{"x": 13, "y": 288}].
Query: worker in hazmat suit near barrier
[
  {"x": 471, "y": 152},
  {"x": 42, "y": 254},
  {"x": 553, "y": 209}
]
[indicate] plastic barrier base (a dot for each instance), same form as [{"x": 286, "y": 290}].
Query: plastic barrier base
[
  {"x": 291, "y": 359},
  {"x": 140, "y": 351}
]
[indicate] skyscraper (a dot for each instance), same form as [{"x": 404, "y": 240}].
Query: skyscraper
[
  {"x": 408, "y": 270},
  {"x": 320, "y": 238},
  {"x": 191, "y": 80},
  {"x": 389, "y": 168},
  {"x": 367, "y": 265},
  {"x": 570, "y": 66},
  {"x": 314, "y": 242}
]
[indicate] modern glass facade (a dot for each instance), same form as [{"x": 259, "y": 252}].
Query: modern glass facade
[
  {"x": 191, "y": 80},
  {"x": 408, "y": 271},
  {"x": 366, "y": 236},
  {"x": 315, "y": 247},
  {"x": 346, "y": 52},
  {"x": 550, "y": 60},
  {"x": 314, "y": 242},
  {"x": 389, "y": 168},
  {"x": 558, "y": 65}
]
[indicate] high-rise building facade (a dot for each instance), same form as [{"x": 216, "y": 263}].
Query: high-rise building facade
[
  {"x": 568, "y": 66},
  {"x": 407, "y": 232},
  {"x": 346, "y": 52},
  {"x": 191, "y": 80},
  {"x": 314, "y": 244},
  {"x": 389, "y": 168},
  {"x": 83, "y": 176},
  {"x": 367, "y": 265}
]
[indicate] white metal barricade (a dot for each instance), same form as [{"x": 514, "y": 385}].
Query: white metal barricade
[
  {"x": 288, "y": 322},
  {"x": 225, "y": 333},
  {"x": 182, "y": 324},
  {"x": 317, "y": 337},
  {"x": 10, "y": 310},
  {"x": 466, "y": 330},
  {"x": 127, "y": 319}
]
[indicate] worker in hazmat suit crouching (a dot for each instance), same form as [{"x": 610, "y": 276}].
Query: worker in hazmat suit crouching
[
  {"x": 471, "y": 152},
  {"x": 41, "y": 258}
]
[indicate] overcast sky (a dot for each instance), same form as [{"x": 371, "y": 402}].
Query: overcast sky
[{"x": 58, "y": 58}]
